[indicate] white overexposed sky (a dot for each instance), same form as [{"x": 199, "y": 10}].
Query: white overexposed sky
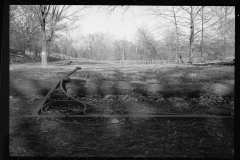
[{"x": 122, "y": 27}]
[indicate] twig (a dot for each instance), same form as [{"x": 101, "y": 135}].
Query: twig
[
  {"x": 98, "y": 124},
  {"x": 40, "y": 132},
  {"x": 78, "y": 123},
  {"x": 207, "y": 131},
  {"x": 74, "y": 147},
  {"x": 83, "y": 147},
  {"x": 62, "y": 121},
  {"x": 123, "y": 118},
  {"x": 189, "y": 124}
]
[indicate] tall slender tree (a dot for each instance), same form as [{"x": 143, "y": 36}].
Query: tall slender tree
[{"x": 170, "y": 15}]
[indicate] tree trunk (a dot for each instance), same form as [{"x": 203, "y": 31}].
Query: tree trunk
[
  {"x": 44, "y": 47},
  {"x": 123, "y": 56},
  {"x": 179, "y": 53},
  {"x": 48, "y": 50},
  {"x": 190, "y": 52},
  {"x": 225, "y": 27},
  {"x": 178, "y": 42},
  {"x": 191, "y": 37},
  {"x": 202, "y": 38},
  {"x": 154, "y": 51},
  {"x": 136, "y": 49},
  {"x": 24, "y": 48}
]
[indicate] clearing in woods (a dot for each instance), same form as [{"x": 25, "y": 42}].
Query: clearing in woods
[{"x": 115, "y": 87}]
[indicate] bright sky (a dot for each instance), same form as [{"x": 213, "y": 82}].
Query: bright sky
[
  {"x": 119, "y": 27},
  {"x": 122, "y": 28}
]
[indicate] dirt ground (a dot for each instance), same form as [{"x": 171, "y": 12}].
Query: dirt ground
[{"x": 174, "y": 88}]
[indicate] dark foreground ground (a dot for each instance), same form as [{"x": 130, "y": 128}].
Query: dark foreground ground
[{"x": 118, "y": 87}]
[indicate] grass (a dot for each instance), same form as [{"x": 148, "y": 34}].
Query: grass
[{"x": 144, "y": 137}]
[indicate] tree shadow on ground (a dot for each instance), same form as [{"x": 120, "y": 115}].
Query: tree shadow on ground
[
  {"x": 32, "y": 138},
  {"x": 29, "y": 88},
  {"x": 26, "y": 138},
  {"x": 192, "y": 75},
  {"x": 38, "y": 142}
]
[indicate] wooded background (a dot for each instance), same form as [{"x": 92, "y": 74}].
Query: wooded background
[{"x": 190, "y": 33}]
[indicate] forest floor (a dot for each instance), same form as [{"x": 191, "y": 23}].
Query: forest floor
[{"x": 174, "y": 88}]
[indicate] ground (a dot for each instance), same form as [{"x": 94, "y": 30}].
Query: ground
[{"x": 116, "y": 87}]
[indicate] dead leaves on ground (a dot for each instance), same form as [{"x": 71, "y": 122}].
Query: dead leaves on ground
[{"x": 182, "y": 104}]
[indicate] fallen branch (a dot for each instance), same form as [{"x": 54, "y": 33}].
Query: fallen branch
[
  {"x": 40, "y": 132},
  {"x": 63, "y": 121},
  {"x": 15, "y": 55},
  {"x": 74, "y": 147},
  {"x": 189, "y": 124}
]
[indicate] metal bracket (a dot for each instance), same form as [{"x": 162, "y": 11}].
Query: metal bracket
[{"x": 38, "y": 110}]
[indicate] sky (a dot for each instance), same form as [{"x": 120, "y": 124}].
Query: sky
[{"x": 121, "y": 27}]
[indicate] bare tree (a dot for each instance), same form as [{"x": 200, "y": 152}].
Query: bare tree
[
  {"x": 224, "y": 13},
  {"x": 177, "y": 33},
  {"x": 185, "y": 17},
  {"x": 110, "y": 9},
  {"x": 24, "y": 24},
  {"x": 217, "y": 35},
  {"x": 122, "y": 47},
  {"x": 169, "y": 44},
  {"x": 231, "y": 31},
  {"x": 171, "y": 15},
  {"x": 192, "y": 12},
  {"x": 225, "y": 30},
  {"x": 148, "y": 42},
  {"x": 206, "y": 17},
  {"x": 91, "y": 41},
  {"x": 51, "y": 17},
  {"x": 202, "y": 16},
  {"x": 99, "y": 46},
  {"x": 42, "y": 12}
]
